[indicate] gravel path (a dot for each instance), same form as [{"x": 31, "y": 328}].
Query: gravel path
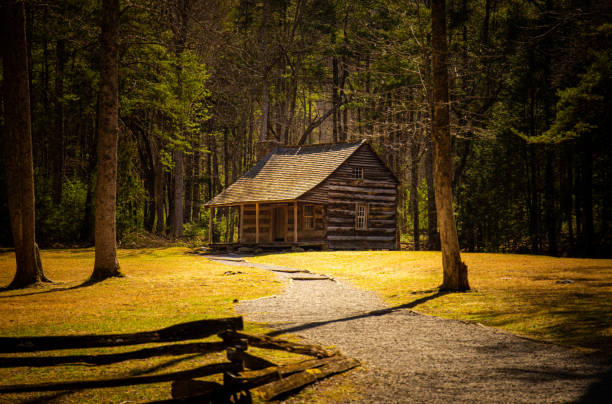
[{"x": 410, "y": 357}]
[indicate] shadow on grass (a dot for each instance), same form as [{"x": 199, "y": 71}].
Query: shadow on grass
[
  {"x": 601, "y": 390},
  {"x": 372, "y": 313},
  {"x": 85, "y": 284},
  {"x": 110, "y": 358},
  {"x": 46, "y": 398},
  {"x": 164, "y": 365}
]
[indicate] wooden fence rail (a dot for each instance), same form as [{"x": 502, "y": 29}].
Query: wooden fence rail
[
  {"x": 244, "y": 374},
  {"x": 180, "y": 332}
]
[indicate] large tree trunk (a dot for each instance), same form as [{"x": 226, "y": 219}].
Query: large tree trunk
[
  {"x": 106, "y": 264},
  {"x": 433, "y": 238},
  {"x": 181, "y": 15},
  {"x": 455, "y": 271},
  {"x": 18, "y": 145}
]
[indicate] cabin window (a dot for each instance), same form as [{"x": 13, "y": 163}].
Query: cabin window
[
  {"x": 308, "y": 217},
  {"x": 361, "y": 216},
  {"x": 357, "y": 173}
]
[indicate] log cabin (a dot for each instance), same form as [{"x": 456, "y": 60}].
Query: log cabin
[{"x": 338, "y": 196}]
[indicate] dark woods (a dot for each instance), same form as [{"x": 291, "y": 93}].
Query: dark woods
[{"x": 202, "y": 81}]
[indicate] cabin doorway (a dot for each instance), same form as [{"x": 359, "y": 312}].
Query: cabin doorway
[{"x": 279, "y": 218}]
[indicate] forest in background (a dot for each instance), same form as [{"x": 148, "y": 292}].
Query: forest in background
[{"x": 200, "y": 79}]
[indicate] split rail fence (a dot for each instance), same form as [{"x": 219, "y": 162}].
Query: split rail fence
[{"x": 244, "y": 375}]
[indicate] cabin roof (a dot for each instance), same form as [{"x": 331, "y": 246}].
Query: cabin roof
[{"x": 287, "y": 173}]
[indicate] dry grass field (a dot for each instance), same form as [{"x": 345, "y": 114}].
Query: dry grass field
[
  {"x": 562, "y": 300},
  {"x": 161, "y": 287},
  {"x": 567, "y": 301}
]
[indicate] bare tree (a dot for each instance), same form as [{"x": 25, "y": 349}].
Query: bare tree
[
  {"x": 18, "y": 145},
  {"x": 455, "y": 271},
  {"x": 106, "y": 264}
]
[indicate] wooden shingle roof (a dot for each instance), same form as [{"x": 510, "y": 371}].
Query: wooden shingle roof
[{"x": 286, "y": 173}]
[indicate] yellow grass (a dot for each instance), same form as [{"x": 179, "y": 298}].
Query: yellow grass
[
  {"x": 161, "y": 287},
  {"x": 521, "y": 293}
]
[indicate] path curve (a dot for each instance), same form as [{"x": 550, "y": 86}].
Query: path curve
[{"x": 409, "y": 357}]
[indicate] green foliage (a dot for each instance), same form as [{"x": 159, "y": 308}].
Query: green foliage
[
  {"x": 61, "y": 223},
  {"x": 516, "y": 68},
  {"x": 581, "y": 109},
  {"x": 131, "y": 195}
]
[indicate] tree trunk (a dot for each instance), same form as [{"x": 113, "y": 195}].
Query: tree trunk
[
  {"x": 414, "y": 197},
  {"x": 455, "y": 271},
  {"x": 178, "y": 190},
  {"x": 106, "y": 264},
  {"x": 158, "y": 187},
  {"x": 433, "y": 237},
  {"x": 551, "y": 196},
  {"x": 181, "y": 14},
  {"x": 587, "y": 195},
  {"x": 265, "y": 90},
  {"x": 196, "y": 203},
  {"x": 18, "y": 145},
  {"x": 188, "y": 188},
  {"x": 335, "y": 96}
]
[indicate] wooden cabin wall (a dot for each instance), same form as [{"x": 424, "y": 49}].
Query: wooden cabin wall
[
  {"x": 378, "y": 189},
  {"x": 265, "y": 212},
  {"x": 317, "y": 234}
]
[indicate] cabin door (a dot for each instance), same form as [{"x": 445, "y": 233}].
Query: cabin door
[{"x": 279, "y": 218}]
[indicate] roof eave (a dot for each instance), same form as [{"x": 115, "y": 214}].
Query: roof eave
[{"x": 247, "y": 202}]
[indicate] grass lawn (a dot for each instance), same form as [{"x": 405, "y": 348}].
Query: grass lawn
[
  {"x": 562, "y": 300},
  {"x": 161, "y": 287}
]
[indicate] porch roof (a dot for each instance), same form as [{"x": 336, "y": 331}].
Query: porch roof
[{"x": 286, "y": 173}]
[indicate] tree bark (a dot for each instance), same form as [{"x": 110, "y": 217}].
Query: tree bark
[
  {"x": 414, "y": 197},
  {"x": 18, "y": 145},
  {"x": 265, "y": 90},
  {"x": 587, "y": 195},
  {"x": 550, "y": 195},
  {"x": 178, "y": 191},
  {"x": 158, "y": 186},
  {"x": 454, "y": 270},
  {"x": 188, "y": 163},
  {"x": 181, "y": 14},
  {"x": 196, "y": 203},
  {"x": 433, "y": 238},
  {"x": 106, "y": 264},
  {"x": 335, "y": 96}
]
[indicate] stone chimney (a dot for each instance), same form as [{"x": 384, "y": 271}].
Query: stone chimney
[{"x": 262, "y": 148}]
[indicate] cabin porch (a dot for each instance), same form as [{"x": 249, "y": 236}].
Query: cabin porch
[
  {"x": 277, "y": 246},
  {"x": 275, "y": 225}
]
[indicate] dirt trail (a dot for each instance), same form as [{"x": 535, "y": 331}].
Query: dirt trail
[{"x": 410, "y": 357}]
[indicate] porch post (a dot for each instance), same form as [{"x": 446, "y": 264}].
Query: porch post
[
  {"x": 210, "y": 225},
  {"x": 286, "y": 230},
  {"x": 295, "y": 222},
  {"x": 241, "y": 236},
  {"x": 256, "y": 223}
]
